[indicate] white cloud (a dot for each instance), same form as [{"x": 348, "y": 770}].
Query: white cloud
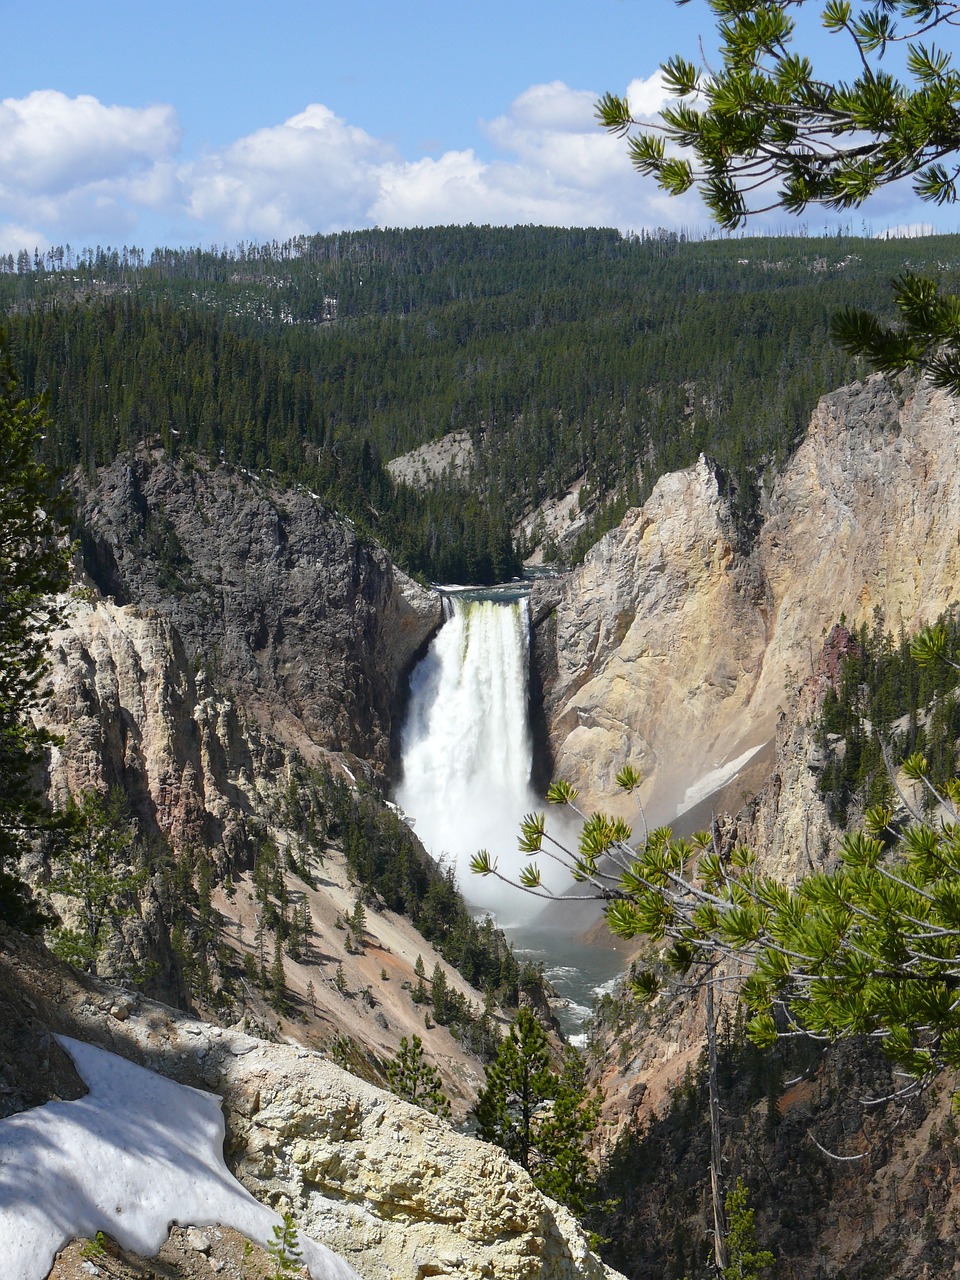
[
  {"x": 50, "y": 144},
  {"x": 555, "y": 108},
  {"x": 74, "y": 169},
  {"x": 555, "y": 166},
  {"x": 906, "y": 231},
  {"x": 15, "y": 236},
  {"x": 314, "y": 172},
  {"x": 647, "y": 98}
]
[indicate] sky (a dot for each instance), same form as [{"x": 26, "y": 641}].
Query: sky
[{"x": 219, "y": 121}]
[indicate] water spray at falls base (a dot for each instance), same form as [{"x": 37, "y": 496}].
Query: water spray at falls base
[{"x": 467, "y": 749}]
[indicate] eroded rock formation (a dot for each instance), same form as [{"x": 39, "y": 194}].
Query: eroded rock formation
[
  {"x": 394, "y": 1190},
  {"x": 674, "y": 648},
  {"x": 163, "y": 689}
]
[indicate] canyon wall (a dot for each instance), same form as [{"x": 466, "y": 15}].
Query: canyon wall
[
  {"x": 680, "y": 648},
  {"x": 217, "y": 626},
  {"x": 221, "y": 638},
  {"x": 676, "y": 648},
  {"x": 272, "y": 593}
]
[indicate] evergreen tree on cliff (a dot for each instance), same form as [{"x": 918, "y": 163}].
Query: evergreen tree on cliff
[
  {"x": 542, "y": 1117},
  {"x": 765, "y": 131},
  {"x": 32, "y": 568}
]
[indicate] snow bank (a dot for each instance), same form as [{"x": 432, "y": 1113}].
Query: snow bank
[
  {"x": 714, "y": 780},
  {"x": 138, "y": 1153}
]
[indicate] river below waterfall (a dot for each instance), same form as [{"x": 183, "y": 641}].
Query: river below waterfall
[
  {"x": 579, "y": 971},
  {"x": 467, "y": 757}
]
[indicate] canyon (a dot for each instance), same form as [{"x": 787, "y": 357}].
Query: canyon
[
  {"x": 221, "y": 636},
  {"x": 678, "y": 646}
]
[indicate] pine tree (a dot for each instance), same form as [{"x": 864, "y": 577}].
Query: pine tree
[
  {"x": 260, "y": 948},
  {"x": 32, "y": 569},
  {"x": 357, "y": 922},
  {"x": 519, "y": 1082},
  {"x": 541, "y": 1117},
  {"x": 415, "y": 1080},
  {"x": 867, "y": 948},
  {"x": 278, "y": 978},
  {"x": 284, "y": 1249},
  {"x": 746, "y": 1260},
  {"x": 97, "y": 870},
  {"x": 765, "y": 120},
  {"x": 565, "y": 1170},
  {"x": 439, "y": 993}
]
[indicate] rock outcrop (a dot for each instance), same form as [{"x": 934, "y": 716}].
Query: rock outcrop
[
  {"x": 395, "y": 1191},
  {"x": 680, "y": 649},
  {"x": 452, "y": 457},
  {"x": 132, "y": 712},
  {"x": 674, "y": 648},
  {"x": 268, "y": 589},
  {"x": 389, "y": 1187},
  {"x": 659, "y": 641},
  {"x": 202, "y": 772}
]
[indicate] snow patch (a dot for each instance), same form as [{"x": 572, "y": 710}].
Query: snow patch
[
  {"x": 713, "y": 780},
  {"x": 134, "y": 1156}
]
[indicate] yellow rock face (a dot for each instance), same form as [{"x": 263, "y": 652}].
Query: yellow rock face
[
  {"x": 394, "y": 1190},
  {"x": 674, "y": 647}
]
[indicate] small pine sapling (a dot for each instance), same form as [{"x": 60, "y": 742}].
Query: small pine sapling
[{"x": 284, "y": 1249}]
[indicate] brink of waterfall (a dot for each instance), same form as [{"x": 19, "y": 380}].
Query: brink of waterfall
[{"x": 466, "y": 746}]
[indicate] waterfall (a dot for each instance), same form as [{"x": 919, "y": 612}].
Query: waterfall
[{"x": 466, "y": 746}]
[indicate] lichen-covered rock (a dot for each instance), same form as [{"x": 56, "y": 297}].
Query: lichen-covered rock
[
  {"x": 389, "y": 1187},
  {"x": 394, "y": 1190}
]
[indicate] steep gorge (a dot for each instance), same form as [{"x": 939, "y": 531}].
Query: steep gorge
[
  {"x": 226, "y": 629},
  {"x": 679, "y": 649},
  {"x": 225, "y": 648}
]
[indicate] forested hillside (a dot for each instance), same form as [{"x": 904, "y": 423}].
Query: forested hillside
[
  {"x": 563, "y": 352},
  {"x": 883, "y": 700}
]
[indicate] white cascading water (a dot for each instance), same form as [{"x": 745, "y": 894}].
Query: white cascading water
[
  {"x": 466, "y": 746},
  {"x": 467, "y": 755}
]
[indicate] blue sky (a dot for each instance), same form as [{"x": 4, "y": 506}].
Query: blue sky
[{"x": 210, "y": 122}]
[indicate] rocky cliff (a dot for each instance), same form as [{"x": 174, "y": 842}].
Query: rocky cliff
[
  {"x": 681, "y": 649},
  {"x": 267, "y": 589},
  {"x": 394, "y": 1190},
  {"x": 222, "y": 638},
  {"x": 674, "y": 647}
]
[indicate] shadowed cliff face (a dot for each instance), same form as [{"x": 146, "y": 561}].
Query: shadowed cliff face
[
  {"x": 674, "y": 647},
  {"x": 272, "y": 593},
  {"x": 241, "y": 634}
]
